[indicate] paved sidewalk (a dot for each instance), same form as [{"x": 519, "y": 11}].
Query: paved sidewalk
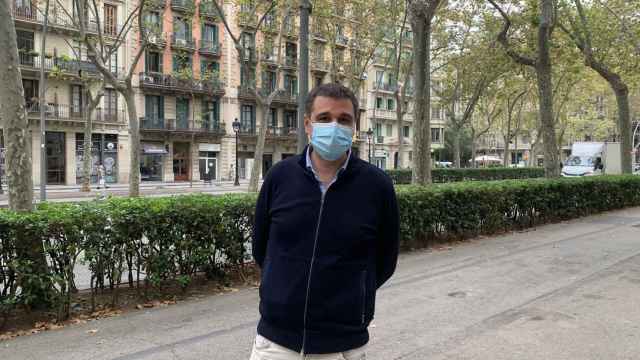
[
  {"x": 72, "y": 193},
  {"x": 563, "y": 291}
]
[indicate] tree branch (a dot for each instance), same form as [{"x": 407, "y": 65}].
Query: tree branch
[{"x": 504, "y": 41}]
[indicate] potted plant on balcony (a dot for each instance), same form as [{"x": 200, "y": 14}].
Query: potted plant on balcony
[{"x": 211, "y": 78}]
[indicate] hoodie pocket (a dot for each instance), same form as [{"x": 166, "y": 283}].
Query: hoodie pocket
[
  {"x": 283, "y": 289},
  {"x": 338, "y": 295}
]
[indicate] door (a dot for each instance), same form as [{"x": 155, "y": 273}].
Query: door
[
  {"x": 207, "y": 168},
  {"x": 181, "y": 161},
  {"x": 55, "y": 157}
]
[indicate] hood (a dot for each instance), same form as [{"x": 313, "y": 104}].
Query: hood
[{"x": 576, "y": 170}]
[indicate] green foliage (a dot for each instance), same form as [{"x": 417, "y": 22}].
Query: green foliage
[
  {"x": 170, "y": 240},
  {"x": 468, "y": 209},
  {"x": 482, "y": 174}
]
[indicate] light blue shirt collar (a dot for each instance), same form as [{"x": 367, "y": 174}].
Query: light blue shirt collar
[{"x": 323, "y": 187}]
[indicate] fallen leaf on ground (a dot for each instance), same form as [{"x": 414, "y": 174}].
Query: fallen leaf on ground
[{"x": 92, "y": 331}]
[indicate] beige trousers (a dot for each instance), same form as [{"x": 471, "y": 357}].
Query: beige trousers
[{"x": 263, "y": 349}]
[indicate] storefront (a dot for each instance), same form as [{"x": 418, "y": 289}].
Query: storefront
[
  {"x": 208, "y": 161},
  {"x": 181, "y": 161},
  {"x": 151, "y": 162},
  {"x": 104, "y": 148}
]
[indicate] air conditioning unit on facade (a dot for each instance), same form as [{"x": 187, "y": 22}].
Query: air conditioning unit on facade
[
  {"x": 181, "y": 42},
  {"x": 153, "y": 38}
]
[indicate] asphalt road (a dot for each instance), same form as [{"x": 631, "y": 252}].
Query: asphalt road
[{"x": 563, "y": 291}]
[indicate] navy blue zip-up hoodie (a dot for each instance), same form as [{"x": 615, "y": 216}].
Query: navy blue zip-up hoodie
[{"x": 323, "y": 259}]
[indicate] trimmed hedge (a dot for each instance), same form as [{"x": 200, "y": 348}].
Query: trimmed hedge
[
  {"x": 469, "y": 174},
  {"x": 168, "y": 240}
]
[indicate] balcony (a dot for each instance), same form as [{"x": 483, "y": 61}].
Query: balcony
[
  {"x": 385, "y": 86},
  {"x": 249, "y": 55},
  {"x": 209, "y": 11},
  {"x": 342, "y": 40},
  {"x": 183, "y": 43},
  {"x": 208, "y": 47},
  {"x": 32, "y": 62},
  {"x": 378, "y": 139},
  {"x": 196, "y": 127},
  {"x": 66, "y": 113},
  {"x": 320, "y": 65},
  {"x": 280, "y": 132},
  {"x": 270, "y": 26},
  {"x": 33, "y": 17},
  {"x": 291, "y": 31},
  {"x": 182, "y": 5},
  {"x": 290, "y": 62},
  {"x": 246, "y": 91},
  {"x": 247, "y": 19},
  {"x": 156, "y": 38},
  {"x": 171, "y": 84},
  {"x": 269, "y": 59},
  {"x": 156, "y": 4},
  {"x": 286, "y": 96},
  {"x": 246, "y": 130}
]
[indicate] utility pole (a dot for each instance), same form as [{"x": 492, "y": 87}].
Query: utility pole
[
  {"x": 43, "y": 104},
  {"x": 303, "y": 71}
]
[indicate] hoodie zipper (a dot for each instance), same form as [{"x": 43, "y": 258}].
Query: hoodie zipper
[{"x": 313, "y": 258}]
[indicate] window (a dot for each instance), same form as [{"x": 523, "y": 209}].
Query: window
[
  {"x": 405, "y": 131},
  {"x": 209, "y": 68},
  {"x": 30, "y": 91},
  {"x": 379, "y": 102},
  {"x": 270, "y": 19},
  {"x": 269, "y": 80},
  {"x": 152, "y": 19},
  {"x": 153, "y": 62},
  {"x": 379, "y": 78},
  {"x": 247, "y": 41},
  {"x": 435, "y": 112},
  {"x": 210, "y": 114},
  {"x": 436, "y": 137},
  {"x": 110, "y": 104},
  {"x": 182, "y": 113},
  {"x": 318, "y": 52},
  {"x": 209, "y": 34},
  {"x": 112, "y": 62},
  {"x": 76, "y": 99},
  {"x": 389, "y": 130},
  {"x": 273, "y": 117},
  {"x": 181, "y": 29},
  {"x": 291, "y": 85},
  {"x": 247, "y": 79},
  {"x": 247, "y": 119},
  {"x": 154, "y": 108},
  {"x": 317, "y": 81},
  {"x": 291, "y": 53},
  {"x": 25, "y": 40},
  {"x": 182, "y": 63},
  {"x": 377, "y": 129},
  {"x": 391, "y": 105},
  {"x": 290, "y": 119},
  {"x": 110, "y": 20},
  {"x": 339, "y": 53},
  {"x": 410, "y": 155}
]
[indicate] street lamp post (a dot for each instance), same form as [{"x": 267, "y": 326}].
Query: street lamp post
[
  {"x": 369, "y": 136},
  {"x": 236, "y": 129}
]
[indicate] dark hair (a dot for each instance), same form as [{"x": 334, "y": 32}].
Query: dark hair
[{"x": 334, "y": 91}]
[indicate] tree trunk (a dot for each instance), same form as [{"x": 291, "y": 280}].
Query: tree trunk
[
  {"x": 507, "y": 151},
  {"x": 134, "y": 143},
  {"x": 17, "y": 137},
  {"x": 92, "y": 103},
  {"x": 14, "y": 119},
  {"x": 624, "y": 127},
  {"x": 400, "y": 118},
  {"x": 421, "y": 27},
  {"x": 258, "y": 155},
  {"x": 473, "y": 149},
  {"x": 545, "y": 91},
  {"x": 456, "y": 149}
]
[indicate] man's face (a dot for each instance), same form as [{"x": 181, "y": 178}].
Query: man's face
[{"x": 326, "y": 110}]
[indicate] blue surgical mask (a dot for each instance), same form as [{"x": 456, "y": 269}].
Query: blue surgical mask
[{"x": 331, "y": 140}]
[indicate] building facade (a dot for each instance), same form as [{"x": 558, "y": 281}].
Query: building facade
[{"x": 191, "y": 85}]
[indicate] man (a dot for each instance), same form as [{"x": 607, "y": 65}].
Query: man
[{"x": 326, "y": 238}]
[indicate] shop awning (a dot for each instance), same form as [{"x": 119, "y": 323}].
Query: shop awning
[{"x": 154, "y": 149}]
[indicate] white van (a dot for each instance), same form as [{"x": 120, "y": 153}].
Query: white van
[{"x": 593, "y": 158}]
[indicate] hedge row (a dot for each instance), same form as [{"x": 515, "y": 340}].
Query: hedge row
[
  {"x": 483, "y": 174},
  {"x": 168, "y": 240}
]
